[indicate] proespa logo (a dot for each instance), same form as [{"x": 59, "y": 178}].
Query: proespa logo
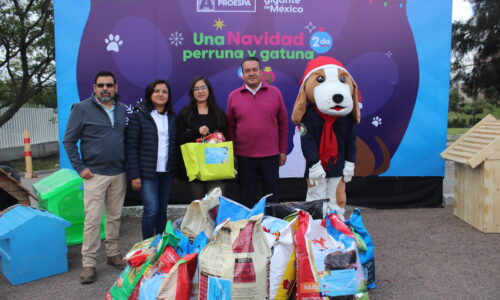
[
  {"x": 225, "y": 5},
  {"x": 205, "y": 5}
]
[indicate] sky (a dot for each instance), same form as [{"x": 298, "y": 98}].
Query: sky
[{"x": 462, "y": 10}]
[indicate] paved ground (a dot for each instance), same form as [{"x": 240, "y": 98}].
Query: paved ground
[{"x": 420, "y": 254}]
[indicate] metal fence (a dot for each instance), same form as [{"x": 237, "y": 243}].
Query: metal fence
[{"x": 40, "y": 122}]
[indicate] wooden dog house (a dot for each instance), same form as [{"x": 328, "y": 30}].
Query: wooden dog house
[
  {"x": 12, "y": 192},
  {"x": 477, "y": 171}
]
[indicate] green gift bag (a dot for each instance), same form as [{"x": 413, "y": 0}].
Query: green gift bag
[{"x": 207, "y": 161}]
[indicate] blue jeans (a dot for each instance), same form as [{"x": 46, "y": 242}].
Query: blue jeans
[{"x": 155, "y": 193}]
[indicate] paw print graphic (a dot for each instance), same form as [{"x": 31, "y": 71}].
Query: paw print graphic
[
  {"x": 113, "y": 42},
  {"x": 377, "y": 121}
]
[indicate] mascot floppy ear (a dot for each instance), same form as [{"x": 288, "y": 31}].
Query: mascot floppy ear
[
  {"x": 356, "y": 99},
  {"x": 299, "y": 108}
]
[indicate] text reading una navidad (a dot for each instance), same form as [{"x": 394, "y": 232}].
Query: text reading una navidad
[{"x": 238, "y": 39}]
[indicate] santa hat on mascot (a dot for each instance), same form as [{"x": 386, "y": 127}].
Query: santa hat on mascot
[{"x": 320, "y": 62}]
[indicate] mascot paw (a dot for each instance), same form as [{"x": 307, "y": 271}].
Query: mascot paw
[
  {"x": 317, "y": 174},
  {"x": 348, "y": 171}
]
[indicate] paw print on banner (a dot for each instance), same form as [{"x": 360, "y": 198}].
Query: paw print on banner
[
  {"x": 377, "y": 121},
  {"x": 113, "y": 42}
]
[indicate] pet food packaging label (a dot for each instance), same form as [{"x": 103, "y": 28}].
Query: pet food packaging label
[
  {"x": 338, "y": 283},
  {"x": 235, "y": 264}
]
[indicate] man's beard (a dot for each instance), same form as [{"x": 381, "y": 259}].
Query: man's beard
[{"x": 105, "y": 98}]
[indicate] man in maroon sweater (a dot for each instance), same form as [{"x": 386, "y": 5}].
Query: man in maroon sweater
[{"x": 258, "y": 126}]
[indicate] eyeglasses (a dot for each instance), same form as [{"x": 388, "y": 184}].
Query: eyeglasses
[
  {"x": 201, "y": 88},
  {"x": 101, "y": 85}
]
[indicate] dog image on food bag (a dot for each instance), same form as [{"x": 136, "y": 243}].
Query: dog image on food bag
[
  {"x": 341, "y": 261},
  {"x": 327, "y": 110}
]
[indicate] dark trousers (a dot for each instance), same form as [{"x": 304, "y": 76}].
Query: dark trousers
[
  {"x": 200, "y": 188},
  {"x": 250, "y": 170}
]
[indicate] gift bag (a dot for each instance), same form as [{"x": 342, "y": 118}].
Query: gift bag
[{"x": 206, "y": 161}]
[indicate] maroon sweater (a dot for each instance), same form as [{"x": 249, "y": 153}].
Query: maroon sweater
[{"x": 257, "y": 125}]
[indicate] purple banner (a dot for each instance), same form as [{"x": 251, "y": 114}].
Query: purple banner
[{"x": 176, "y": 40}]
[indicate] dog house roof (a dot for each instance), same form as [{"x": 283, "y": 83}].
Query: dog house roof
[
  {"x": 18, "y": 215},
  {"x": 481, "y": 142}
]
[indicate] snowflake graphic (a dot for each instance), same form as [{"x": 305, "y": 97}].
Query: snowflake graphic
[{"x": 176, "y": 39}]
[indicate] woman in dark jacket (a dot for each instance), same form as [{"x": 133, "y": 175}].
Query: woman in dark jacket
[
  {"x": 151, "y": 154},
  {"x": 199, "y": 118}
]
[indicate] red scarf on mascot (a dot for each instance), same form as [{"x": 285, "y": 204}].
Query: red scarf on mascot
[{"x": 328, "y": 145}]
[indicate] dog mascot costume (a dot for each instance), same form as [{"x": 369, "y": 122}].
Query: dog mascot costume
[{"x": 327, "y": 110}]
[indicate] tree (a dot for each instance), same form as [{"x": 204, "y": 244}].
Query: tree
[
  {"x": 456, "y": 103},
  {"x": 26, "y": 51},
  {"x": 479, "y": 37},
  {"x": 475, "y": 108}
]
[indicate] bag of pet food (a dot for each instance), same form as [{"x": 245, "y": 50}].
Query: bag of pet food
[
  {"x": 126, "y": 287},
  {"x": 326, "y": 268},
  {"x": 365, "y": 247},
  {"x": 234, "y": 211},
  {"x": 282, "y": 210},
  {"x": 341, "y": 232},
  {"x": 176, "y": 274},
  {"x": 176, "y": 285},
  {"x": 187, "y": 247},
  {"x": 138, "y": 254},
  {"x": 150, "y": 285},
  {"x": 201, "y": 214},
  {"x": 235, "y": 264},
  {"x": 279, "y": 235}
]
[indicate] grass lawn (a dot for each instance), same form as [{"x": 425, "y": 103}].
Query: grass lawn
[{"x": 457, "y": 131}]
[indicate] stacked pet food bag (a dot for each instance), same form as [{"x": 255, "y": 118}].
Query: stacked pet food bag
[{"x": 224, "y": 250}]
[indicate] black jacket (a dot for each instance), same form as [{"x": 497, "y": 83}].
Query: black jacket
[
  {"x": 102, "y": 146},
  {"x": 189, "y": 132},
  {"x": 345, "y": 131},
  {"x": 142, "y": 143}
]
